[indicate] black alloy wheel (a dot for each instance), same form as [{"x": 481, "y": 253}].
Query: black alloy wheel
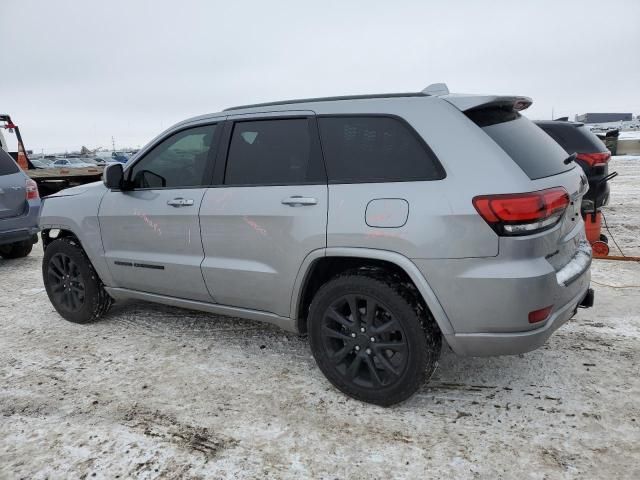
[
  {"x": 67, "y": 285},
  {"x": 373, "y": 337},
  {"x": 73, "y": 286},
  {"x": 364, "y": 341}
]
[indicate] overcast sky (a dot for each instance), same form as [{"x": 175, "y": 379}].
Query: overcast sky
[{"x": 77, "y": 73}]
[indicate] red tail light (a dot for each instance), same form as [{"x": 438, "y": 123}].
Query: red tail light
[
  {"x": 32, "y": 190},
  {"x": 593, "y": 159},
  {"x": 522, "y": 213}
]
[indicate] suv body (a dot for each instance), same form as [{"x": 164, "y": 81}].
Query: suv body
[
  {"x": 253, "y": 211},
  {"x": 19, "y": 208}
]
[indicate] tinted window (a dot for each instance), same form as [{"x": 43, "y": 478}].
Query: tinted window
[
  {"x": 178, "y": 161},
  {"x": 7, "y": 165},
  {"x": 574, "y": 138},
  {"x": 375, "y": 149},
  {"x": 532, "y": 149},
  {"x": 273, "y": 152}
]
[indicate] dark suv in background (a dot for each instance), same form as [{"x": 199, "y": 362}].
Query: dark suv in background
[
  {"x": 19, "y": 208},
  {"x": 592, "y": 155}
]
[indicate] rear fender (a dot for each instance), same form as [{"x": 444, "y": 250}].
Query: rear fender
[{"x": 399, "y": 260}]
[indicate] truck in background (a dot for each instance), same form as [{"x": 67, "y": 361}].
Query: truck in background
[{"x": 49, "y": 180}]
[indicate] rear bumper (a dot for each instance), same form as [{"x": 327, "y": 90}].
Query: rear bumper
[
  {"x": 488, "y": 300},
  {"x": 19, "y": 236},
  {"x": 513, "y": 343},
  {"x": 21, "y": 228}
]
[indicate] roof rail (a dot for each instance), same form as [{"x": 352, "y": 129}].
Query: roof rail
[{"x": 330, "y": 99}]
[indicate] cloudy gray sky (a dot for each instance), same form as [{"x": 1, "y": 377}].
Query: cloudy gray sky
[{"x": 75, "y": 73}]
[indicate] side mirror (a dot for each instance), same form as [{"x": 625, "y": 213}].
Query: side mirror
[{"x": 113, "y": 175}]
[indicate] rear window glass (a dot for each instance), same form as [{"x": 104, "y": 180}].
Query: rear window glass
[
  {"x": 533, "y": 150},
  {"x": 7, "y": 165},
  {"x": 375, "y": 149},
  {"x": 573, "y": 138}
]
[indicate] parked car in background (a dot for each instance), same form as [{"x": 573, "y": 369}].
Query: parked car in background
[
  {"x": 71, "y": 163},
  {"x": 362, "y": 221},
  {"x": 593, "y": 156},
  {"x": 19, "y": 208},
  {"x": 120, "y": 157},
  {"x": 40, "y": 163}
]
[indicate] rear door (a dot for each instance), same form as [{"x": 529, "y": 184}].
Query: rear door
[
  {"x": 151, "y": 231},
  {"x": 268, "y": 213},
  {"x": 12, "y": 187}
]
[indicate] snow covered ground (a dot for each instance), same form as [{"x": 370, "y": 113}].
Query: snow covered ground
[{"x": 156, "y": 392}]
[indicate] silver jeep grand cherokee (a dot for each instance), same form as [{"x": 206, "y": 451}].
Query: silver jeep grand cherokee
[{"x": 379, "y": 225}]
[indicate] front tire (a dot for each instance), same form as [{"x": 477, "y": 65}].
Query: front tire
[
  {"x": 72, "y": 284},
  {"x": 372, "y": 338}
]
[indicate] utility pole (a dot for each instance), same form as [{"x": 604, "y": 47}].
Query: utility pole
[
  {"x": 113, "y": 143},
  {"x": 552, "y": 115}
]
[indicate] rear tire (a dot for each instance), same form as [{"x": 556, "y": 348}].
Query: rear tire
[
  {"x": 603, "y": 238},
  {"x": 372, "y": 338},
  {"x": 72, "y": 284},
  {"x": 16, "y": 250}
]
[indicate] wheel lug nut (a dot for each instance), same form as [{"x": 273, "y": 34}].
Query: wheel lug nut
[
  {"x": 353, "y": 335},
  {"x": 373, "y": 339},
  {"x": 362, "y": 329},
  {"x": 357, "y": 348},
  {"x": 368, "y": 350}
]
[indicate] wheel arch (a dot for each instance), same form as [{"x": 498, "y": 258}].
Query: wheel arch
[
  {"x": 93, "y": 254},
  {"x": 321, "y": 265}
]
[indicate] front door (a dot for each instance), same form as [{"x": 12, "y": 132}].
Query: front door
[
  {"x": 150, "y": 230},
  {"x": 267, "y": 216}
]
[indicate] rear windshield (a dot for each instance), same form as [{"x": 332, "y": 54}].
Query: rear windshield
[
  {"x": 574, "y": 138},
  {"x": 532, "y": 149},
  {"x": 7, "y": 165}
]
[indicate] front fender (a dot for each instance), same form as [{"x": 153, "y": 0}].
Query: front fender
[{"x": 78, "y": 214}]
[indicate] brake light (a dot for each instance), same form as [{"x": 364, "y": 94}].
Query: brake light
[
  {"x": 32, "y": 190},
  {"x": 540, "y": 315},
  {"x": 522, "y": 213},
  {"x": 594, "y": 159}
]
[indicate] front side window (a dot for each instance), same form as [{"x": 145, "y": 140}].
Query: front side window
[
  {"x": 273, "y": 152},
  {"x": 180, "y": 160},
  {"x": 375, "y": 149}
]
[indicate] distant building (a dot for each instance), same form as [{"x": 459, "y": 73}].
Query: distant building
[{"x": 604, "y": 117}]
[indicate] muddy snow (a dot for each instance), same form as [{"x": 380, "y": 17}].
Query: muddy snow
[{"x": 157, "y": 392}]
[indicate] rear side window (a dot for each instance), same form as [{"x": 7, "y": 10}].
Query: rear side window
[
  {"x": 7, "y": 165},
  {"x": 532, "y": 149},
  {"x": 375, "y": 149},
  {"x": 274, "y": 152},
  {"x": 574, "y": 138}
]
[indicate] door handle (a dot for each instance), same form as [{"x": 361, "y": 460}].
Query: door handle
[
  {"x": 180, "y": 202},
  {"x": 298, "y": 201}
]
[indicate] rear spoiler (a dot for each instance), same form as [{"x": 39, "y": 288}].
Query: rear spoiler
[{"x": 468, "y": 102}]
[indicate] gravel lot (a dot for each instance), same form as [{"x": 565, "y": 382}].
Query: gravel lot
[{"x": 156, "y": 392}]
